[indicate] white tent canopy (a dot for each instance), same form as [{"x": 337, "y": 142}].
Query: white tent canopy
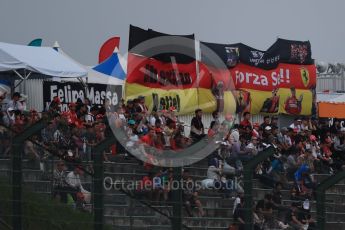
[
  {"x": 93, "y": 75},
  {"x": 43, "y": 60}
]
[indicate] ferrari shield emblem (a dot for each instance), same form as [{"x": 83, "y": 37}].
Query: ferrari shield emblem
[{"x": 305, "y": 76}]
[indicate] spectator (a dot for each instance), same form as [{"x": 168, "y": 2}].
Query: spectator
[
  {"x": 292, "y": 217},
  {"x": 190, "y": 197},
  {"x": 141, "y": 107},
  {"x": 215, "y": 117},
  {"x": 91, "y": 116},
  {"x": 213, "y": 130},
  {"x": 255, "y": 132},
  {"x": 274, "y": 121},
  {"x": 246, "y": 120},
  {"x": 74, "y": 185},
  {"x": 59, "y": 182},
  {"x": 264, "y": 210},
  {"x": 71, "y": 114},
  {"x": 296, "y": 125},
  {"x": 239, "y": 217},
  {"x": 252, "y": 147},
  {"x": 265, "y": 123},
  {"x": 197, "y": 127},
  {"x": 145, "y": 187},
  {"x": 9, "y": 118},
  {"x": 16, "y": 103}
]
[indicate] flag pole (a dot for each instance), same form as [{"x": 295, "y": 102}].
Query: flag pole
[{"x": 197, "y": 67}]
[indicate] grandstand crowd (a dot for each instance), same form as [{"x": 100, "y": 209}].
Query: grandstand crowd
[{"x": 306, "y": 147}]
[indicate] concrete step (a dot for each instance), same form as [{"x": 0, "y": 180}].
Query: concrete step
[
  {"x": 207, "y": 222},
  {"x": 116, "y": 220}
]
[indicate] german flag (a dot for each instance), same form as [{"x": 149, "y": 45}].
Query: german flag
[{"x": 162, "y": 67}]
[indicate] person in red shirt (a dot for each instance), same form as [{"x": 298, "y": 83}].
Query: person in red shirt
[
  {"x": 326, "y": 150},
  {"x": 71, "y": 114},
  {"x": 246, "y": 118},
  {"x": 292, "y": 104},
  {"x": 149, "y": 138}
]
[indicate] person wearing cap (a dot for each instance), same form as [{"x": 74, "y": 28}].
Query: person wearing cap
[
  {"x": 267, "y": 132},
  {"x": 71, "y": 114},
  {"x": 54, "y": 106},
  {"x": 314, "y": 147},
  {"x": 296, "y": 125},
  {"x": 15, "y": 103}
]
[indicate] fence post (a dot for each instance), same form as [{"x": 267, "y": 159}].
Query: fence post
[
  {"x": 176, "y": 221},
  {"x": 321, "y": 197},
  {"x": 98, "y": 181},
  {"x": 248, "y": 184},
  {"x": 16, "y": 152}
]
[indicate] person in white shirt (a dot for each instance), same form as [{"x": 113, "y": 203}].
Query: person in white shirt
[
  {"x": 15, "y": 103},
  {"x": 9, "y": 117},
  {"x": 91, "y": 116},
  {"x": 296, "y": 124},
  {"x": 74, "y": 183}
]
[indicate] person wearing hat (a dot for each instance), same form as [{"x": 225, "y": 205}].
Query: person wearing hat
[
  {"x": 267, "y": 132},
  {"x": 54, "y": 106},
  {"x": 296, "y": 124}
]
